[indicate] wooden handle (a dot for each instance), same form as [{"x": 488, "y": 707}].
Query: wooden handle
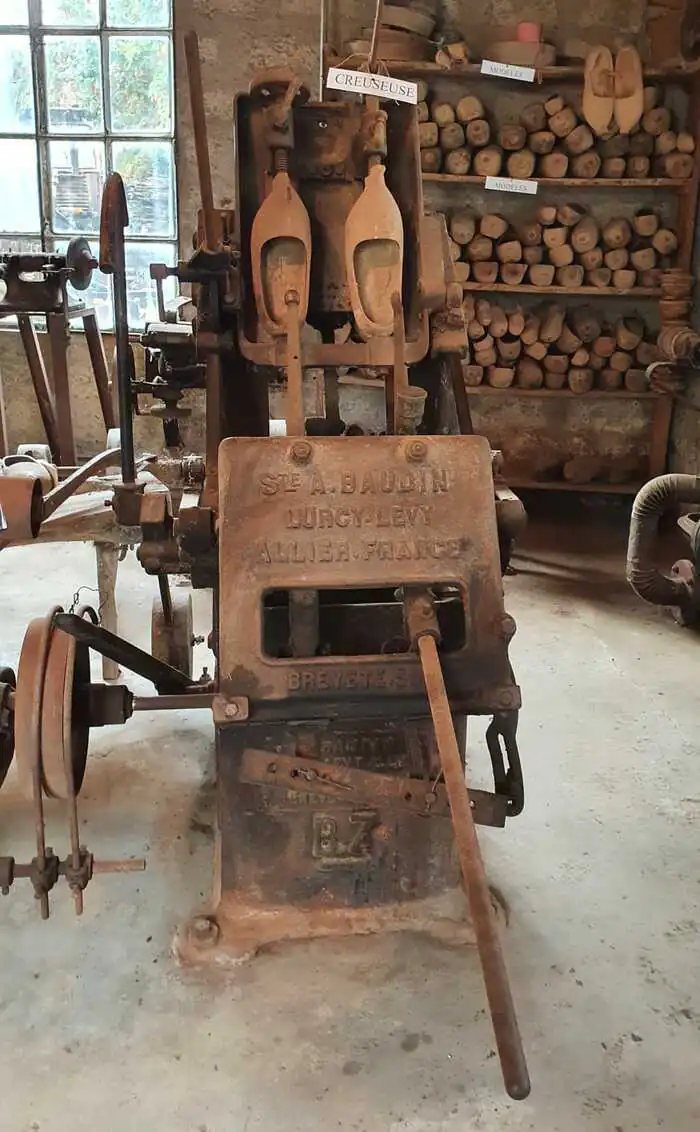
[{"x": 500, "y": 999}]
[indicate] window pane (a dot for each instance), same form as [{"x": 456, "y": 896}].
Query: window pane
[
  {"x": 13, "y": 13},
  {"x": 70, "y": 13},
  {"x": 140, "y": 83},
  {"x": 16, "y": 94},
  {"x": 73, "y": 83},
  {"x": 138, "y": 13},
  {"x": 140, "y": 288},
  {"x": 98, "y": 295},
  {"x": 22, "y": 245},
  {"x": 147, "y": 171},
  {"x": 19, "y": 189},
  {"x": 77, "y": 177}
]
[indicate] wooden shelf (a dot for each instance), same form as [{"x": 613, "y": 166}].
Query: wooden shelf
[
  {"x": 570, "y": 182},
  {"x": 573, "y": 72},
  {"x": 685, "y": 192},
  {"x": 600, "y": 394},
  {"x": 529, "y": 289},
  {"x": 563, "y": 485}
]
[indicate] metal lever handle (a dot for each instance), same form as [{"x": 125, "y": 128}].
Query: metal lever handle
[{"x": 498, "y": 992}]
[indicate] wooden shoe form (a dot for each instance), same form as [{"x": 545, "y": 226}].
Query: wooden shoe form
[
  {"x": 280, "y": 248},
  {"x": 629, "y": 89},
  {"x": 599, "y": 89},
  {"x": 374, "y": 244}
]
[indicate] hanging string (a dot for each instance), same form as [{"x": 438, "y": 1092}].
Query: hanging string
[
  {"x": 374, "y": 43},
  {"x": 370, "y": 62}
]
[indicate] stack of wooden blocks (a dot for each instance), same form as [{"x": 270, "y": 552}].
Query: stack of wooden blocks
[
  {"x": 550, "y": 141},
  {"x": 563, "y": 246}
]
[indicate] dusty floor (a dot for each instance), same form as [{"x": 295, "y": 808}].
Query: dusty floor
[{"x": 100, "y": 1030}]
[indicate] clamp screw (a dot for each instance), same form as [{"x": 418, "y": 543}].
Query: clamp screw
[
  {"x": 417, "y": 451},
  {"x": 301, "y": 452},
  {"x": 231, "y": 711}
]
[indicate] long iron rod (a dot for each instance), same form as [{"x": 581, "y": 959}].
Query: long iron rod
[
  {"x": 114, "y": 218},
  {"x": 121, "y": 333},
  {"x": 201, "y": 142},
  {"x": 500, "y": 999}
]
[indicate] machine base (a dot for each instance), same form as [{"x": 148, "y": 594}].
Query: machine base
[{"x": 237, "y": 931}]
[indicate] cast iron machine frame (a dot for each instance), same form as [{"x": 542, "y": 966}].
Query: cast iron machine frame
[{"x": 358, "y": 614}]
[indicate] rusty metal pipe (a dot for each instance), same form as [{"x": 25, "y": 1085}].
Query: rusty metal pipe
[{"x": 655, "y": 498}]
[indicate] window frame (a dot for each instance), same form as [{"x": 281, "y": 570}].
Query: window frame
[{"x": 42, "y": 136}]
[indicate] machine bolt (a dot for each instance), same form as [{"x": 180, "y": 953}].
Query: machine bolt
[
  {"x": 301, "y": 452},
  {"x": 231, "y": 711},
  {"x": 508, "y": 627},
  {"x": 205, "y": 931},
  {"x": 417, "y": 451}
]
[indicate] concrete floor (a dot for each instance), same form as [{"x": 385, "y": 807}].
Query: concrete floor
[{"x": 100, "y": 1030}]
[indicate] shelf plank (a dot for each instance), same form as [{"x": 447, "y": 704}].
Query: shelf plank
[
  {"x": 529, "y": 289},
  {"x": 563, "y": 485},
  {"x": 573, "y": 72},
  {"x": 570, "y": 182},
  {"x": 566, "y": 394}
]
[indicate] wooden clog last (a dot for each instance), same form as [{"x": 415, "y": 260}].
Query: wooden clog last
[
  {"x": 629, "y": 89},
  {"x": 374, "y": 243},
  {"x": 599, "y": 89}
]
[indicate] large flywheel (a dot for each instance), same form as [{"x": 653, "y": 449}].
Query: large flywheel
[{"x": 52, "y": 706}]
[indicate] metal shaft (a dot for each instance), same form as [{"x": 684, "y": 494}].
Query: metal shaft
[
  {"x": 500, "y": 999},
  {"x": 113, "y": 220},
  {"x": 165, "y": 597},
  {"x": 295, "y": 372},
  {"x": 121, "y": 334}
]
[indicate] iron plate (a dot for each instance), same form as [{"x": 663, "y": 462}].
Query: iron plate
[{"x": 359, "y": 512}]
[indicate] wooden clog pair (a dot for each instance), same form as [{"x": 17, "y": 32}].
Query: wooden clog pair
[
  {"x": 281, "y": 256},
  {"x": 613, "y": 93}
]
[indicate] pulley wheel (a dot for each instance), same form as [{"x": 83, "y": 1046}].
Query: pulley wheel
[
  {"x": 7, "y": 731},
  {"x": 80, "y": 263},
  {"x": 65, "y": 716},
  {"x": 174, "y": 643},
  {"x": 29, "y": 698}
]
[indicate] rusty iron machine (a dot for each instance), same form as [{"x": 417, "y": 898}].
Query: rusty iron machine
[{"x": 358, "y": 610}]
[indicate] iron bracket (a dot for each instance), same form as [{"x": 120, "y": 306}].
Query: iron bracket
[{"x": 410, "y": 795}]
